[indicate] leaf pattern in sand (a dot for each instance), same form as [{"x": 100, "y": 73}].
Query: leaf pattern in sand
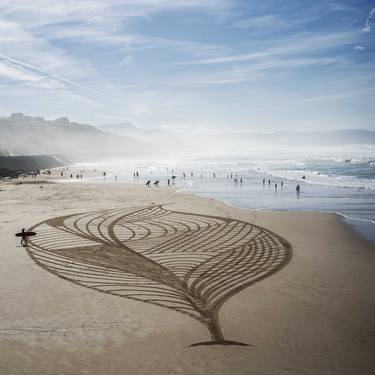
[{"x": 190, "y": 263}]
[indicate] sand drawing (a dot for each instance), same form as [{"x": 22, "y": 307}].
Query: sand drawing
[{"x": 190, "y": 263}]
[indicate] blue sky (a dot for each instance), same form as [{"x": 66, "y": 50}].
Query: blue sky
[{"x": 192, "y": 65}]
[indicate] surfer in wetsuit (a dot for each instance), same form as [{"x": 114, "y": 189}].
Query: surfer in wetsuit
[{"x": 24, "y": 238}]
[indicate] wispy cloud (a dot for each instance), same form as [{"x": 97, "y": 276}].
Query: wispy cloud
[
  {"x": 250, "y": 72},
  {"x": 369, "y": 21},
  {"x": 160, "y": 60},
  {"x": 95, "y": 35},
  {"x": 267, "y": 21},
  {"x": 295, "y": 45}
]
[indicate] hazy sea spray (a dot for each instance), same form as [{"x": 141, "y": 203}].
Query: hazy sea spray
[{"x": 340, "y": 181}]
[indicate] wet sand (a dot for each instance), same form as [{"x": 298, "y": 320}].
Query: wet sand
[{"x": 314, "y": 316}]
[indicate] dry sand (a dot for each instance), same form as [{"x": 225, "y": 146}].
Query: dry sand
[{"x": 315, "y": 316}]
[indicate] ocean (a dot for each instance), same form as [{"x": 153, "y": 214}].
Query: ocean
[{"x": 340, "y": 180}]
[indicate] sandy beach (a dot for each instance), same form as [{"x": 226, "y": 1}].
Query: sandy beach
[{"x": 314, "y": 314}]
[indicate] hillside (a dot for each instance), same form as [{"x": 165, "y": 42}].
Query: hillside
[
  {"x": 12, "y": 166},
  {"x": 25, "y": 135}
]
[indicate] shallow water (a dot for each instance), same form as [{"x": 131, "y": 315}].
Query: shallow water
[{"x": 330, "y": 184}]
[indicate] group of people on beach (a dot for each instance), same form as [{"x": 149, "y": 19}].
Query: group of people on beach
[
  {"x": 156, "y": 183},
  {"x": 298, "y": 187},
  {"x": 171, "y": 180},
  {"x": 269, "y": 183},
  {"x": 233, "y": 176}
]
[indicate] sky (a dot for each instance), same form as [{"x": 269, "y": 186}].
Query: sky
[{"x": 191, "y": 65}]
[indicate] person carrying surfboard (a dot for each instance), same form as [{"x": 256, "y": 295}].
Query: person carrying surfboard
[{"x": 24, "y": 236}]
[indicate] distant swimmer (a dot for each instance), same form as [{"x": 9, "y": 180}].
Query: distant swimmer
[
  {"x": 201, "y": 175},
  {"x": 183, "y": 175},
  {"x": 303, "y": 177},
  {"x": 61, "y": 173},
  {"x": 269, "y": 182},
  {"x": 282, "y": 184},
  {"x": 169, "y": 181},
  {"x": 241, "y": 180},
  {"x": 298, "y": 189},
  {"x": 214, "y": 175},
  {"x": 275, "y": 186},
  {"x": 191, "y": 174},
  {"x": 71, "y": 175},
  {"x": 148, "y": 183},
  {"x": 264, "y": 181}
]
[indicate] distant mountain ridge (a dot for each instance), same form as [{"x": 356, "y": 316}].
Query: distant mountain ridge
[
  {"x": 329, "y": 137},
  {"x": 26, "y": 135},
  {"x": 240, "y": 142}
]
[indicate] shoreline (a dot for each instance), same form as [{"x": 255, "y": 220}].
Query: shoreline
[
  {"x": 362, "y": 225},
  {"x": 347, "y": 220}
]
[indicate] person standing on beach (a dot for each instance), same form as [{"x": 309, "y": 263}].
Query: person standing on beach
[
  {"x": 24, "y": 238},
  {"x": 148, "y": 183},
  {"x": 298, "y": 189}
]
